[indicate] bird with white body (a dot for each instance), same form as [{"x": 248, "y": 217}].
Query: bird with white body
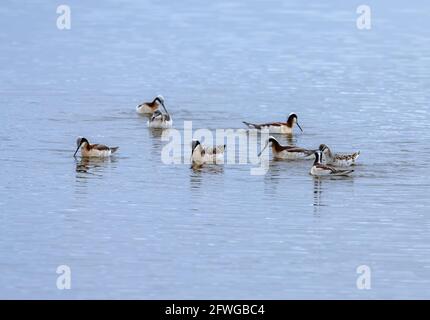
[
  {"x": 318, "y": 169},
  {"x": 337, "y": 159},
  {"x": 201, "y": 155},
  {"x": 159, "y": 119}
]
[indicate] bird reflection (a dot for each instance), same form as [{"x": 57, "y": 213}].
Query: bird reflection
[
  {"x": 92, "y": 165},
  {"x": 290, "y": 139},
  {"x": 274, "y": 173},
  {"x": 158, "y": 133},
  {"x": 317, "y": 192},
  {"x": 325, "y": 182},
  {"x": 198, "y": 174},
  {"x": 317, "y": 196}
]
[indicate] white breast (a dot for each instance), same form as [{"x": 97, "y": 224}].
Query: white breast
[
  {"x": 160, "y": 124},
  {"x": 315, "y": 171},
  {"x": 208, "y": 157},
  {"x": 197, "y": 158}
]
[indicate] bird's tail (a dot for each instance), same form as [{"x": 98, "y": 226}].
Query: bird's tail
[
  {"x": 216, "y": 150},
  {"x": 114, "y": 149},
  {"x": 249, "y": 125},
  {"x": 356, "y": 155},
  {"x": 309, "y": 154},
  {"x": 344, "y": 172}
]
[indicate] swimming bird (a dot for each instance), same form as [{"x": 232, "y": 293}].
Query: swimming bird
[
  {"x": 93, "y": 150},
  {"x": 277, "y": 127},
  {"x": 336, "y": 159},
  {"x": 319, "y": 169},
  {"x": 160, "y": 120},
  {"x": 150, "y": 107},
  {"x": 201, "y": 155},
  {"x": 287, "y": 152}
]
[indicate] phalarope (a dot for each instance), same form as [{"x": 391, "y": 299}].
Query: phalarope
[
  {"x": 277, "y": 127},
  {"x": 160, "y": 120},
  {"x": 287, "y": 152},
  {"x": 319, "y": 169},
  {"x": 336, "y": 159},
  {"x": 201, "y": 155},
  {"x": 93, "y": 150},
  {"x": 150, "y": 107}
]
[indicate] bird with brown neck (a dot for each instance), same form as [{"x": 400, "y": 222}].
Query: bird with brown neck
[
  {"x": 277, "y": 127},
  {"x": 280, "y": 151},
  {"x": 93, "y": 150},
  {"x": 150, "y": 107}
]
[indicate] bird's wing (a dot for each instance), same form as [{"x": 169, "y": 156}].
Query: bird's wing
[
  {"x": 327, "y": 167},
  {"x": 299, "y": 150},
  {"x": 274, "y": 124},
  {"x": 215, "y": 150},
  {"x": 262, "y": 125},
  {"x": 100, "y": 147},
  {"x": 347, "y": 157}
]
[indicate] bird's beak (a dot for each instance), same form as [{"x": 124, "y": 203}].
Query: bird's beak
[
  {"x": 164, "y": 107},
  {"x": 77, "y": 149},
  {"x": 310, "y": 153},
  {"x": 267, "y": 143},
  {"x": 299, "y": 126}
]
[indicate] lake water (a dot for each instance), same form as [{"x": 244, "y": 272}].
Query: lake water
[{"x": 134, "y": 227}]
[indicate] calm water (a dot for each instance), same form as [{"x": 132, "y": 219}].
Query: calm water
[{"x": 133, "y": 227}]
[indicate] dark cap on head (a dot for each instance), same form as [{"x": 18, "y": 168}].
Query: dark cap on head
[
  {"x": 194, "y": 144},
  {"x": 322, "y": 147},
  {"x": 80, "y": 141}
]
